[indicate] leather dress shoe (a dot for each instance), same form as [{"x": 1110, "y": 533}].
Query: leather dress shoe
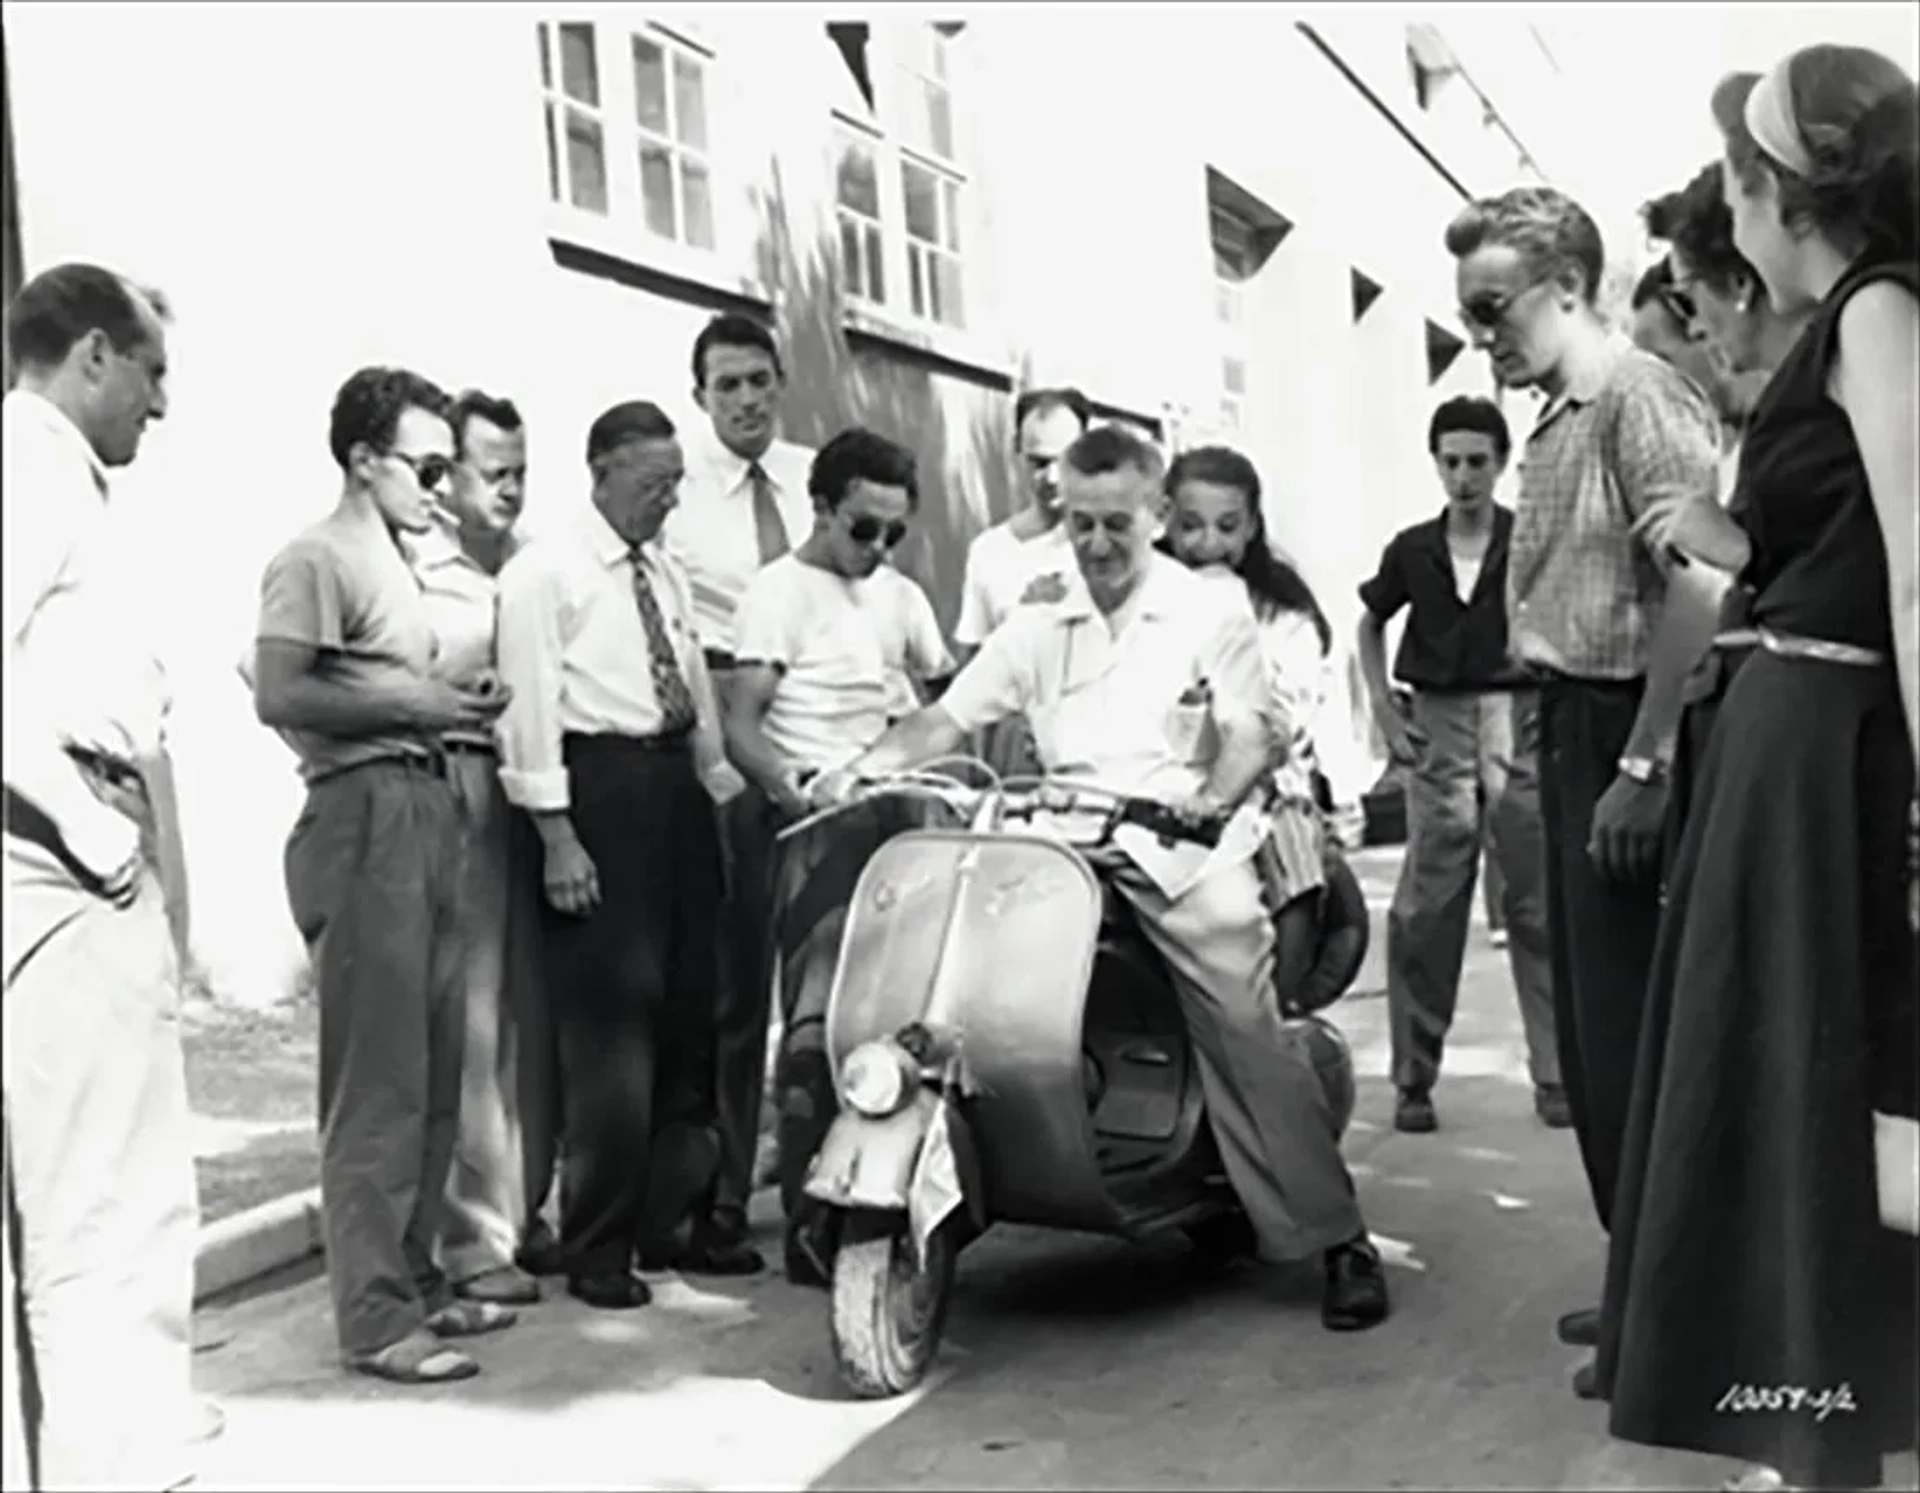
[
  {"x": 1579, "y": 1329},
  {"x": 1413, "y": 1112},
  {"x": 616, "y": 1292},
  {"x": 540, "y": 1255},
  {"x": 505, "y": 1285},
  {"x": 1356, "y": 1291},
  {"x": 1586, "y": 1381},
  {"x": 1550, "y": 1104}
]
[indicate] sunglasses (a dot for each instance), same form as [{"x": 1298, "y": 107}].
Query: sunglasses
[
  {"x": 1487, "y": 313},
  {"x": 1678, "y": 301},
  {"x": 865, "y": 529},
  {"x": 431, "y": 472}
]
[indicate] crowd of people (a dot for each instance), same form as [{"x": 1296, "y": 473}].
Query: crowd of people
[{"x": 1670, "y": 696}]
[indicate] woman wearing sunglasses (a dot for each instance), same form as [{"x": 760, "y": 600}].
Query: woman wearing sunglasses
[{"x": 1760, "y": 1294}]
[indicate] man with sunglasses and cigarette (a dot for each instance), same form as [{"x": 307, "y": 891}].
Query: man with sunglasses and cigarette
[
  {"x": 1609, "y": 625},
  {"x": 829, "y": 640},
  {"x": 346, "y": 669},
  {"x": 1466, "y": 734}
]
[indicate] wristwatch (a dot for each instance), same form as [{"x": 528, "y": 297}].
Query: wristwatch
[{"x": 1643, "y": 770}]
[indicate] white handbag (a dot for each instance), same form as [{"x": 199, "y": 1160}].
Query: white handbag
[{"x": 1896, "y": 1154}]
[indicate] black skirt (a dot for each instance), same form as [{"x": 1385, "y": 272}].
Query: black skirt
[{"x": 1747, "y": 1251}]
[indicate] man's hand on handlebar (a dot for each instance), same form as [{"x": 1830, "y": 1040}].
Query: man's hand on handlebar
[{"x": 829, "y": 790}]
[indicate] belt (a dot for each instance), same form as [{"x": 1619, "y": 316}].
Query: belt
[
  {"x": 1788, "y": 645},
  {"x": 457, "y": 745},
  {"x": 431, "y": 760},
  {"x": 662, "y": 741}
]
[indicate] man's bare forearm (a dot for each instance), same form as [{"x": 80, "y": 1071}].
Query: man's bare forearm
[
  {"x": 921, "y": 737},
  {"x": 1372, "y": 652},
  {"x": 748, "y": 748},
  {"x": 327, "y": 707},
  {"x": 1688, "y": 621}
]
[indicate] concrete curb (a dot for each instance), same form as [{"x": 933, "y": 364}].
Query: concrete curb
[{"x": 241, "y": 1249}]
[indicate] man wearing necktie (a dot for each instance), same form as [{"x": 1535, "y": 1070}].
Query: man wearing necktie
[
  {"x": 745, "y": 505},
  {"x": 612, "y": 744}
]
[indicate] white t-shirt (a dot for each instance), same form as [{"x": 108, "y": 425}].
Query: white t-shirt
[
  {"x": 845, "y": 651},
  {"x": 1000, "y": 567}
]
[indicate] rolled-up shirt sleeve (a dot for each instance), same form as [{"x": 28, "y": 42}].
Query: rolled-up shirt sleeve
[
  {"x": 998, "y": 680},
  {"x": 532, "y": 646}
]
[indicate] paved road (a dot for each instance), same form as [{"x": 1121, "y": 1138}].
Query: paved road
[{"x": 1071, "y": 1362}]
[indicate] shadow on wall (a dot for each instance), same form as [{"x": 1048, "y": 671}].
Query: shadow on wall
[{"x": 958, "y": 425}]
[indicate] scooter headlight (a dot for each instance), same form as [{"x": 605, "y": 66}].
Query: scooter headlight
[{"x": 876, "y": 1079}]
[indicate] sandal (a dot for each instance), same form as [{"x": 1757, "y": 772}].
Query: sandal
[
  {"x": 418, "y": 1358},
  {"x": 470, "y": 1319}
]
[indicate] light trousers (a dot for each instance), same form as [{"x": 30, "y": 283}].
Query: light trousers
[
  {"x": 1278, "y": 1135},
  {"x": 100, "y": 1176}
]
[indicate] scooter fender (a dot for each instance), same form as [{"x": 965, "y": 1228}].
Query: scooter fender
[{"x": 921, "y": 1160}]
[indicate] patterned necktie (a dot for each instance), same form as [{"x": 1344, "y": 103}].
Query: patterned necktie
[
  {"x": 669, "y": 684},
  {"x": 768, "y": 529}
]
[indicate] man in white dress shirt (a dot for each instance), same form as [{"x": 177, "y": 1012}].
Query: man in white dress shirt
[
  {"x": 829, "y": 637},
  {"x": 100, "y": 1180},
  {"x": 612, "y": 744},
  {"x": 1104, "y": 677},
  {"x": 503, "y": 1164},
  {"x": 745, "y": 504}
]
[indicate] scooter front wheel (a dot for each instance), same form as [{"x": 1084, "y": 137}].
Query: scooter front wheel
[{"x": 888, "y": 1310}]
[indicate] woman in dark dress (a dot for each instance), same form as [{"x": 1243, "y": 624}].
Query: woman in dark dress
[{"x": 1755, "y": 1305}]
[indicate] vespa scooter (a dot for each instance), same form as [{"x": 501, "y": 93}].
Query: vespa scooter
[{"x": 1008, "y": 1047}]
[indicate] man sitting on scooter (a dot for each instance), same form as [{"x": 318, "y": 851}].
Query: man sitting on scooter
[{"x": 1151, "y": 683}]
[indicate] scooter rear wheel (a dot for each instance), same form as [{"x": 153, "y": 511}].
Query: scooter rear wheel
[{"x": 888, "y": 1312}]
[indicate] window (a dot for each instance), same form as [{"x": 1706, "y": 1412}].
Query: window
[
  {"x": 857, "y": 204},
  {"x": 627, "y": 130},
  {"x": 670, "y": 102},
  {"x": 1235, "y": 259},
  {"x": 899, "y": 191},
  {"x": 576, "y": 130}
]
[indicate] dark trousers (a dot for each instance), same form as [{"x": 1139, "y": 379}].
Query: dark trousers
[
  {"x": 373, "y": 879},
  {"x": 1601, "y": 932},
  {"x": 631, "y": 987},
  {"x": 744, "y": 1007}
]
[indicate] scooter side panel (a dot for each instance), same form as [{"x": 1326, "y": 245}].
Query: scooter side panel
[{"x": 1011, "y": 987}]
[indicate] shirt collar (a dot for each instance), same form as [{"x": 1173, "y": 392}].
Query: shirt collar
[
  {"x": 44, "y": 413},
  {"x": 1151, "y": 598},
  {"x": 440, "y": 546},
  {"x": 1585, "y": 383},
  {"x": 607, "y": 546},
  {"x": 731, "y": 468}
]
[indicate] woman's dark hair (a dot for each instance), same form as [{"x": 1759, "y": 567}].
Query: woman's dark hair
[
  {"x": 1856, "y": 115},
  {"x": 1697, "y": 221},
  {"x": 1274, "y": 584}
]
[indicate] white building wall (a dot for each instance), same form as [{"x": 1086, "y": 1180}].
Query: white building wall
[{"x": 323, "y": 187}]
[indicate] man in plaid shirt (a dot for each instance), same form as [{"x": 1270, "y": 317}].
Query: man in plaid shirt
[{"x": 1623, "y": 435}]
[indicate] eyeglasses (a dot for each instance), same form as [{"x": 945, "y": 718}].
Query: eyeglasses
[
  {"x": 430, "y": 471},
  {"x": 865, "y": 529},
  {"x": 1487, "y": 313}
]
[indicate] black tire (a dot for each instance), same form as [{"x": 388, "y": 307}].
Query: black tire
[
  {"x": 1221, "y": 1240},
  {"x": 887, "y": 1316},
  {"x": 1345, "y": 930}
]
